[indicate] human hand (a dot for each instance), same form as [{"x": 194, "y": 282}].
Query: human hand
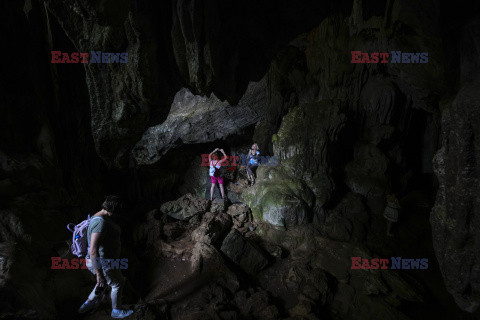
[{"x": 100, "y": 280}]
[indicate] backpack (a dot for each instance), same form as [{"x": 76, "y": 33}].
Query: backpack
[
  {"x": 218, "y": 171},
  {"x": 79, "y": 242}
]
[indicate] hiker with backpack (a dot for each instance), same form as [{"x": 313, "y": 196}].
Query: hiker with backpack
[
  {"x": 215, "y": 171},
  {"x": 99, "y": 238}
]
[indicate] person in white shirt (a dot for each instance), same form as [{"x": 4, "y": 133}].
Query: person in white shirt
[{"x": 215, "y": 173}]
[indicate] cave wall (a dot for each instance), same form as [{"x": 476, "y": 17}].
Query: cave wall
[
  {"x": 202, "y": 72},
  {"x": 50, "y": 174}
]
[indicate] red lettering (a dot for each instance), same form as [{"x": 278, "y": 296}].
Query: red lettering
[
  {"x": 205, "y": 162},
  {"x": 55, "y": 262},
  {"x": 65, "y": 264},
  {"x": 74, "y": 57},
  {"x": 65, "y": 57},
  {"x": 84, "y": 56},
  {"x": 356, "y": 57},
  {"x": 384, "y": 56},
  {"x": 365, "y": 264},
  {"x": 374, "y": 263},
  {"x": 225, "y": 163},
  {"x": 374, "y": 57},
  {"x": 356, "y": 263},
  {"x": 365, "y": 57},
  {"x": 55, "y": 55},
  {"x": 384, "y": 263},
  {"x": 233, "y": 160},
  {"x": 83, "y": 263},
  {"x": 74, "y": 264}
]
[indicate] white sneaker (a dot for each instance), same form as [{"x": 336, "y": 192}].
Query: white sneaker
[
  {"x": 119, "y": 314},
  {"x": 87, "y": 306}
]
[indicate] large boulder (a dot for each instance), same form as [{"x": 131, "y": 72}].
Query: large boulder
[
  {"x": 185, "y": 207},
  {"x": 244, "y": 252},
  {"x": 212, "y": 229},
  {"x": 198, "y": 119}
]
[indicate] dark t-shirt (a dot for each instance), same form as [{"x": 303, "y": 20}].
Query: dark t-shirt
[{"x": 110, "y": 243}]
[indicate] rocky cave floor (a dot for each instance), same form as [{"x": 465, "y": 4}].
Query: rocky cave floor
[{"x": 196, "y": 259}]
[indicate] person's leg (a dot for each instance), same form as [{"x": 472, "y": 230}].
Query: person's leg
[
  {"x": 253, "y": 170},
  {"x": 211, "y": 191},
  {"x": 94, "y": 298},
  {"x": 220, "y": 184},
  {"x": 115, "y": 280},
  {"x": 213, "y": 180},
  {"x": 249, "y": 171},
  {"x": 389, "y": 228}
]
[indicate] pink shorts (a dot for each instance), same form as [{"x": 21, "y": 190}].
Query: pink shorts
[{"x": 216, "y": 179}]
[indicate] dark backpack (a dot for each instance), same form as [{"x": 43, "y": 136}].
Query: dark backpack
[{"x": 218, "y": 172}]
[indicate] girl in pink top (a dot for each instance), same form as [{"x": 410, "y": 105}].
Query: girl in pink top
[{"x": 215, "y": 174}]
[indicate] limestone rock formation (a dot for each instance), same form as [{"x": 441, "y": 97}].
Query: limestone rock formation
[
  {"x": 456, "y": 215},
  {"x": 185, "y": 207}
]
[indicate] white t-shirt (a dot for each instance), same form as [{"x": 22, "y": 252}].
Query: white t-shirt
[{"x": 214, "y": 165}]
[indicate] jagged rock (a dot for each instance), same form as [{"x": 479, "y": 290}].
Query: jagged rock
[
  {"x": 273, "y": 249},
  {"x": 256, "y": 305},
  {"x": 185, "y": 207},
  {"x": 366, "y": 174},
  {"x": 206, "y": 260},
  {"x": 197, "y": 119},
  {"x": 218, "y": 206},
  {"x": 287, "y": 194},
  {"x": 212, "y": 229},
  {"x": 238, "y": 209},
  {"x": 149, "y": 232},
  {"x": 455, "y": 216},
  {"x": 303, "y": 308},
  {"x": 348, "y": 219},
  {"x": 240, "y": 214},
  {"x": 173, "y": 230},
  {"x": 243, "y": 252}
]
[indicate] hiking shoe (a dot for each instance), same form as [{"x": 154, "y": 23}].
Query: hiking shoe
[
  {"x": 87, "y": 306},
  {"x": 119, "y": 314}
]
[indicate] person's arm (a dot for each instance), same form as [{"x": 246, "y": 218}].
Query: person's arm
[
  {"x": 95, "y": 241},
  {"x": 210, "y": 155},
  {"x": 224, "y": 158}
]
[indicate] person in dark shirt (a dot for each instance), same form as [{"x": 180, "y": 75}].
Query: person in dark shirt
[{"x": 104, "y": 242}]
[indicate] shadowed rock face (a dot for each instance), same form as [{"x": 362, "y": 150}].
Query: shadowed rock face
[
  {"x": 197, "y": 119},
  {"x": 456, "y": 215},
  {"x": 206, "y": 46}
]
